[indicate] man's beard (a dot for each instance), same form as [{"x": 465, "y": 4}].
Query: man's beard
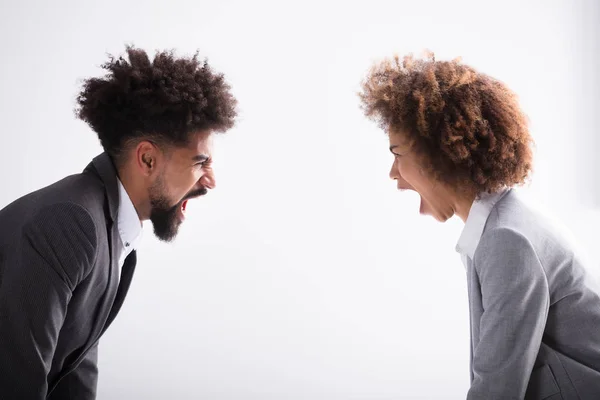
[{"x": 164, "y": 217}]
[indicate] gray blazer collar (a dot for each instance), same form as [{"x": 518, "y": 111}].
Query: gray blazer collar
[{"x": 476, "y": 221}]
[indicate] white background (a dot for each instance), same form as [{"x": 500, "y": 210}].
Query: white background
[{"x": 304, "y": 275}]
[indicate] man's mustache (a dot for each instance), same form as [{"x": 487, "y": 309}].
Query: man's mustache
[
  {"x": 195, "y": 193},
  {"x": 191, "y": 195}
]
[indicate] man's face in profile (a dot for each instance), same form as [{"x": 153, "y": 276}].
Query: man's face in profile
[{"x": 186, "y": 174}]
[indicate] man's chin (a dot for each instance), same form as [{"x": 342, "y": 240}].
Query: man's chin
[
  {"x": 166, "y": 231},
  {"x": 165, "y": 236}
]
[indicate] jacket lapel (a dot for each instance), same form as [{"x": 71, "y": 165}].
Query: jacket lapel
[
  {"x": 115, "y": 292},
  {"x": 103, "y": 167},
  {"x": 125, "y": 281}
]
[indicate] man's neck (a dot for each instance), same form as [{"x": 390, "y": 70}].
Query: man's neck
[{"x": 136, "y": 191}]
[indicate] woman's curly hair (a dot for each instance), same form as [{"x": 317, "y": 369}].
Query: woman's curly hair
[
  {"x": 468, "y": 126},
  {"x": 166, "y": 98}
]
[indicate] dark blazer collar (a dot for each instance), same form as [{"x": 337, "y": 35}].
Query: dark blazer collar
[{"x": 105, "y": 168}]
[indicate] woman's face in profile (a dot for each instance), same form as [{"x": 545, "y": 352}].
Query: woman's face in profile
[{"x": 409, "y": 173}]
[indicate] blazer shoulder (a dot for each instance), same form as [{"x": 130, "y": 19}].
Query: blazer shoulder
[
  {"x": 502, "y": 236},
  {"x": 507, "y": 251},
  {"x": 84, "y": 190},
  {"x": 65, "y": 236}
]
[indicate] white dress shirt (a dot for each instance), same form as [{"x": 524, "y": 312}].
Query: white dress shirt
[
  {"x": 128, "y": 224},
  {"x": 478, "y": 215}
]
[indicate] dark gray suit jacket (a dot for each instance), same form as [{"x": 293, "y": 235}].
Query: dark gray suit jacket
[
  {"x": 59, "y": 289},
  {"x": 535, "y": 317}
]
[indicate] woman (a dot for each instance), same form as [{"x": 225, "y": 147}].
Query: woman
[{"x": 461, "y": 141}]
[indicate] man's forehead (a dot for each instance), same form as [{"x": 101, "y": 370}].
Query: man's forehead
[
  {"x": 202, "y": 141},
  {"x": 198, "y": 148}
]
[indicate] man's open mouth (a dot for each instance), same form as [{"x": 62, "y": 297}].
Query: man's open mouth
[{"x": 183, "y": 206}]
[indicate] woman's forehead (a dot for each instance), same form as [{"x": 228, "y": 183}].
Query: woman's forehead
[{"x": 400, "y": 139}]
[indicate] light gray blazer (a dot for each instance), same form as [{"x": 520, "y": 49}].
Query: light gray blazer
[{"x": 535, "y": 321}]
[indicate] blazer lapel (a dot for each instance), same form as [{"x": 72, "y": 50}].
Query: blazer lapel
[
  {"x": 116, "y": 292},
  {"x": 125, "y": 281},
  {"x": 103, "y": 166}
]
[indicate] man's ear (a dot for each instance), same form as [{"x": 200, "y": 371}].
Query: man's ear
[
  {"x": 146, "y": 159},
  {"x": 146, "y": 154}
]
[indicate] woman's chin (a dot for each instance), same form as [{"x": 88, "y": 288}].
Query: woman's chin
[{"x": 425, "y": 209}]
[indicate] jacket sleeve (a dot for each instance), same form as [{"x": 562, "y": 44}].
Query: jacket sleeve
[
  {"x": 81, "y": 383},
  {"x": 515, "y": 298},
  {"x": 54, "y": 252}
]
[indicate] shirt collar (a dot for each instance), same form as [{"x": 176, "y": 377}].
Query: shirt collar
[
  {"x": 129, "y": 224},
  {"x": 478, "y": 215}
]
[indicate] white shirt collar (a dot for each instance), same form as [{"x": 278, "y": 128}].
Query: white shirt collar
[
  {"x": 129, "y": 224},
  {"x": 478, "y": 215}
]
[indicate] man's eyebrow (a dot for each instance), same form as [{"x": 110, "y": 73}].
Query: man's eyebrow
[{"x": 200, "y": 158}]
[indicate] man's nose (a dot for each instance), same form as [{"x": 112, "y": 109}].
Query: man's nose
[{"x": 208, "y": 181}]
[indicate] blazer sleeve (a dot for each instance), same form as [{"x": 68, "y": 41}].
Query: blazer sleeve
[
  {"x": 515, "y": 298},
  {"x": 82, "y": 382},
  {"x": 56, "y": 250}
]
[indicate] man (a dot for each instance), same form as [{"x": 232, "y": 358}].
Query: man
[{"x": 67, "y": 251}]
